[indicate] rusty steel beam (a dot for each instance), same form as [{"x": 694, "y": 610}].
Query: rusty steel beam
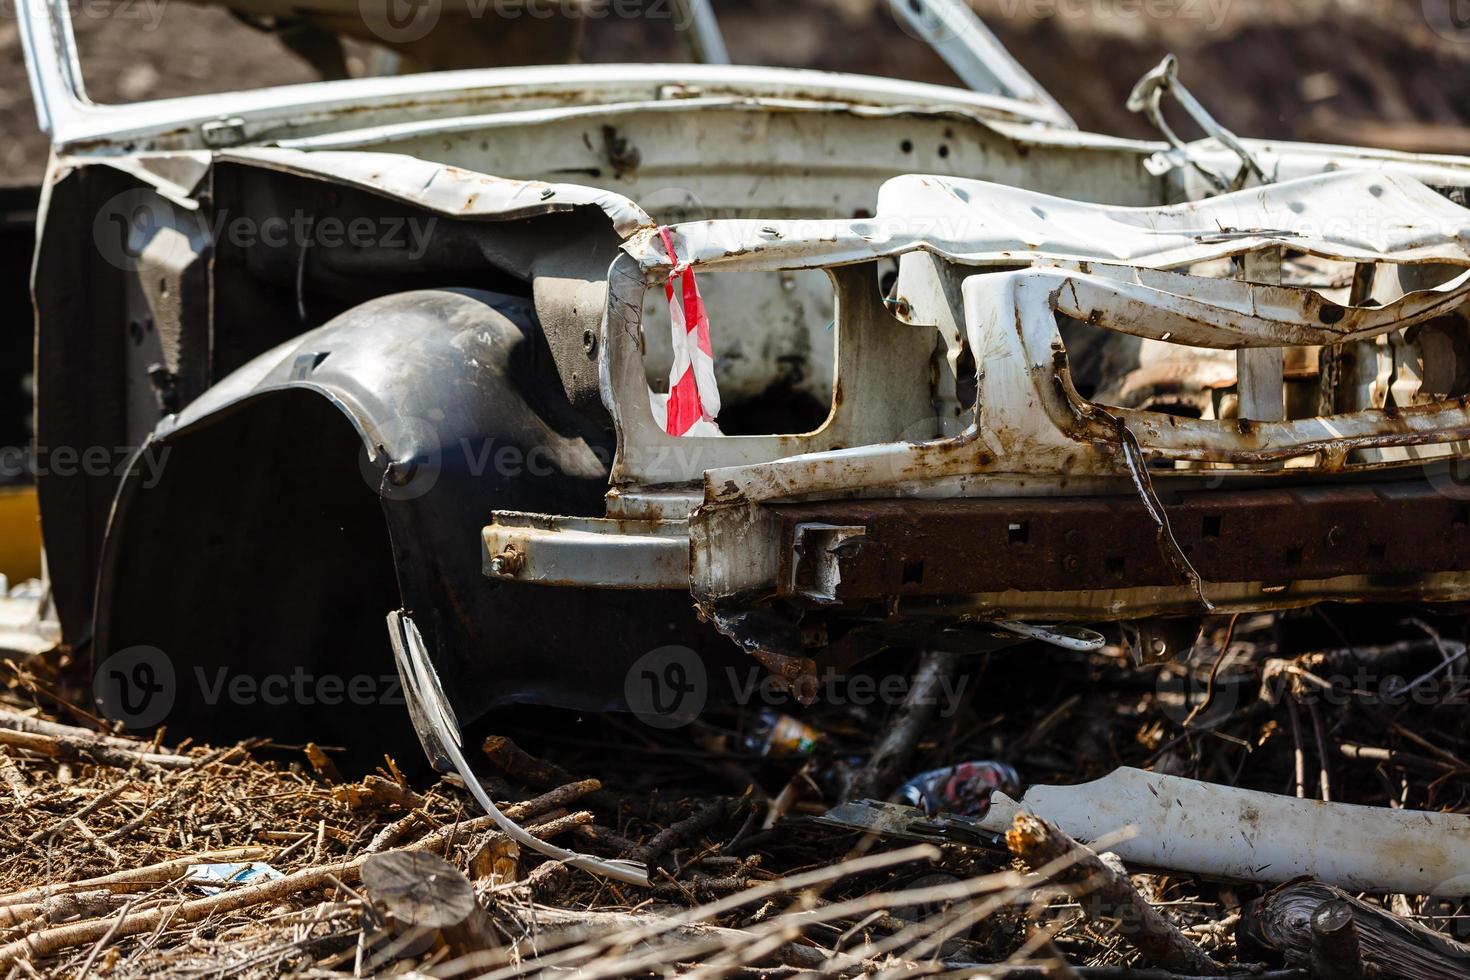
[{"x": 1394, "y": 532}]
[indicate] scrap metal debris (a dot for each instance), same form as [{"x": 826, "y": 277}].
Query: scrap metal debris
[{"x": 104, "y": 833}]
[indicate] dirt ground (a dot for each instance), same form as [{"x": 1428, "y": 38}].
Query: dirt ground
[
  {"x": 1367, "y": 71},
  {"x": 99, "y": 833}
]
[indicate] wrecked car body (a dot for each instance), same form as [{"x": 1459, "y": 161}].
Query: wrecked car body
[{"x": 457, "y": 413}]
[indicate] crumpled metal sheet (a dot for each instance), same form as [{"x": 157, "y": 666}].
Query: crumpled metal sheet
[
  {"x": 1350, "y": 215},
  {"x": 448, "y": 190},
  {"x": 1033, "y": 420}
]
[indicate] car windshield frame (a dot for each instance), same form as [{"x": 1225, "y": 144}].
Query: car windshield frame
[{"x": 999, "y": 85}]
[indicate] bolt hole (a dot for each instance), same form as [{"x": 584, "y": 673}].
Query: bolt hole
[
  {"x": 1019, "y": 533},
  {"x": 1210, "y": 527},
  {"x": 1462, "y": 514},
  {"x": 1116, "y": 566},
  {"x": 913, "y": 573},
  {"x": 1293, "y": 556},
  {"x": 907, "y": 146}
]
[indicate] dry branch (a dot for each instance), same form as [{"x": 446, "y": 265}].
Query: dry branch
[
  {"x": 1389, "y": 945},
  {"x": 889, "y": 764},
  {"x": 1040, "y": 844},
  {"x": 91, "y": 748},
  {"x": 427, "y": 900}
]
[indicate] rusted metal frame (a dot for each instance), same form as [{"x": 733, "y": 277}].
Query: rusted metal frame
[
  {"x": 1227, "y": 314},
  {"x": 586, "y": 552},
  {"x": 1032, "y": 420},
  {"x": 875, "y": 398},
  {"x": 1071, "y": 606},
  {"x": 1260, "y": 374},
  {"x": 1273, "y": 536}
]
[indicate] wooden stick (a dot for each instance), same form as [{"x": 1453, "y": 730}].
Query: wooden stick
[
  {"x": 890, "y": 761},
  {"x": 13, "y": 777},
  {"x": 521, "y": 766},
  {"x": 17, "y": 722},
  {"x": 426, "y": 899},
  {"x": 68, "y": 748},
  {"x": 686, "y": 830},
  {"x": 1039, "y": 844},
  {"x": 1336, "y": 954}
]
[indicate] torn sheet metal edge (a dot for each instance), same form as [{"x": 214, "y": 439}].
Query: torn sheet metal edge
[
  {"x": 1244, "y": 835},
  {"x": 602, "y": 553},
  {"x": 975, "y": 222},
  {"x": 446, "y": 189},
  {"x": 421, "y": 684}
]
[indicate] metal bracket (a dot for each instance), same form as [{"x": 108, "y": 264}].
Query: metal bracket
[{"x": 1147, "y": 97}]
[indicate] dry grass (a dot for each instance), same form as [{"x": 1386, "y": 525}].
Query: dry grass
[{"x": 727, "y": 894}]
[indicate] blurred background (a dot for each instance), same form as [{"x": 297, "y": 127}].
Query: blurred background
[{"x": 1381, "y": 72}]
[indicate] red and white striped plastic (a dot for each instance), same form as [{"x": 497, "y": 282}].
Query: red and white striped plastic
[{"x": 694, "y": 397}]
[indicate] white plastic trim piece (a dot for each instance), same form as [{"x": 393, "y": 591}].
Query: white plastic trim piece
[
  {"x": 421, "y": 683},
  {"x": 1243, "y": 835}
]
